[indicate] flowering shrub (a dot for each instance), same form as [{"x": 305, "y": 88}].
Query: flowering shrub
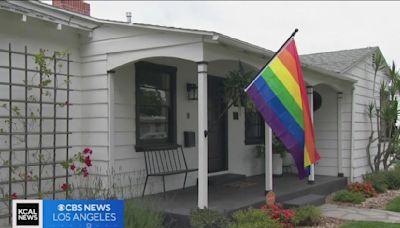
[
  {"x": 79, "y": 165},
  {"x": 365, "y": 188},
  {"x": 280, "y": 215}
]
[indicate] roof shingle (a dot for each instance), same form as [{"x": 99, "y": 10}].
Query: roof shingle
[{"x": 337, "y": 61}]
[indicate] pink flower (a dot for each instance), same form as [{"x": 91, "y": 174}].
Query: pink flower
[
  {"x": 72, "y": 167},
  {"x": 65, "y": 187},
  {"x": 88, "y": 161},
  {"x": 87, "y": 150},
  {"x": 14, "y": 195},
  {"x": 85, "y": 172}
]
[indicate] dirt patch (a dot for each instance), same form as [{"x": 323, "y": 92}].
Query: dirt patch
[{"x": 377, "y": 202}]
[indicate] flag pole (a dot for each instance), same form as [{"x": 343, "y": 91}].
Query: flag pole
[
  {"x": 275, "y": 54},
  {"x": 234, "y": 100}
]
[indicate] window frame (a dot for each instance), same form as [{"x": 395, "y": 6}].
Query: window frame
[
  {"x": 253, "y": 140},
  {"x": 140, "y": 68}
]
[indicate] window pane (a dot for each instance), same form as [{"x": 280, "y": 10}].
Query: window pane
[
  {"x": 154, "y": 79},
  {"x": 153, "y": 114},
  {"x": 153, "y": 130},
  {"x": 152, "y": 96}
]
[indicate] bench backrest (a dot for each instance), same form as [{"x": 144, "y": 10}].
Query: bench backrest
[{"x": 164, "y": 159}]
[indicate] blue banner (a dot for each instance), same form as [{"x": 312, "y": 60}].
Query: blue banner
[{"x": 83, "y": 213}]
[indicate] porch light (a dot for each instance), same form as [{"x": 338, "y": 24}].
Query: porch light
[{"x": 191, "y": 89}]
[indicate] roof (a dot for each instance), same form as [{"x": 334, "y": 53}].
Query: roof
[
  {"x": 38, "y": 9},
  {"x": 338, "y": 61}
]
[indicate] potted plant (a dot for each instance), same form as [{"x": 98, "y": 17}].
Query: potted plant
[{"x": 279, "y": 155}]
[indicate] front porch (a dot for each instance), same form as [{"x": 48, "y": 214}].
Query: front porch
[{"x": 239, "y": 194}]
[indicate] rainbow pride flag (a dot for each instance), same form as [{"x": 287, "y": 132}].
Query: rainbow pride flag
[{"x": 280, "y": 95}]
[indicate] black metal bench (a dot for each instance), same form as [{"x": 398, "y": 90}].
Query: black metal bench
[{"x": 164, "y": 161}]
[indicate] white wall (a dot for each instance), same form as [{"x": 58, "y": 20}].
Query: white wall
[
  {"x": 363, "y": 72},
  {"x": 325, "y": 124}
]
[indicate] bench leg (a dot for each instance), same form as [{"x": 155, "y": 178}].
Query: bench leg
[
  {"x": 144, "y": 188},
  {"x": 184, "y": 182},
  {"x": 163, "y": 179}
]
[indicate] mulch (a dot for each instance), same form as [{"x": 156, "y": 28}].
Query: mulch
[{"x": 328, "y": 222}]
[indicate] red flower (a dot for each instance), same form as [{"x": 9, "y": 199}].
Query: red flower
[
  {"x": 14, "y": 195},
  {"x": 85, "y": 172},
  {"x": 72, "y": 167},
  {"x": 65, "y": 187},
  {"x": 88, "y": 161},
  {"x": 87, "y": 150}
]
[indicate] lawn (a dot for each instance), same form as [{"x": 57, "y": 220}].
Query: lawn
[
  {"x": 393, "y": 205},
  {"x": 370, "y": 225}
]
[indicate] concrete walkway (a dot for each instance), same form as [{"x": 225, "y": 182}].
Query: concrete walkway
[{"x": 359, "y": 214}]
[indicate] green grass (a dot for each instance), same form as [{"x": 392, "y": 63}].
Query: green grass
[
  {"x": 393, "y": 205},
  {"x": 370, "y": 225}
]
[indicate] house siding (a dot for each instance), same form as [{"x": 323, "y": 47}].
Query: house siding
[{"x": 364, "y": 74}]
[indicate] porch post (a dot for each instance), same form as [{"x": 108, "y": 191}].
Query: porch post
[
  {"x": 268, "y": 159},
  {"x": 339, "y": 134},
  {"x": 202, "y": 135},
  {"x": 310, "y": 91},
  {"x": 111, "y": 126}
]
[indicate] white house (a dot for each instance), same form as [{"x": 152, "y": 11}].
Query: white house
[{"x": 116, "y": 63}]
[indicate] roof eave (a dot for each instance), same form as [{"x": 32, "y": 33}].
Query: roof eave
[{"x": 329, "y": 73}]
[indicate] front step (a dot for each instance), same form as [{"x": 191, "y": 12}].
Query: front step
[
  {"x": 309, "y": 199},
  {"x": 219, "y": 180}
]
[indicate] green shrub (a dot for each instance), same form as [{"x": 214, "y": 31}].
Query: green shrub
[
  {"x": 207, "y": 218},
  {"x": 307, "y": 216},
  {"x": 392, "y": 178},
  {"x": 393, "y": 205},
  {"x": 349, "y": 197},
  {"x": 139, "y": 213},
  {"x": 378, "y": 181},
  {"x": 253, "y": 218}
]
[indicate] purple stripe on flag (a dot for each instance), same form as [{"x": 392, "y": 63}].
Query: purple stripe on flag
[{"x": 279, "y": 129}]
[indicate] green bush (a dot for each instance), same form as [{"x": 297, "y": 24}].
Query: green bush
[
  {"x": 307, "y": 216},
  {"x": 383, "y": 180},
  {"x": 207, "y": 218},
  {"x": 253, "y": 218},
  {"x": 393, "y": 178},
  {"x": 139, "y": 214},
  {"x": 393, "y": 205},
  {"x": 349, "y": 197},
  {"x": 378, "y": 181}
]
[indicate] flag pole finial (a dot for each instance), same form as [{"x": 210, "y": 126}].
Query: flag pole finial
[{"x": 294, "y": 33}]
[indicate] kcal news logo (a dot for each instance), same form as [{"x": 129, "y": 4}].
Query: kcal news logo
[{"x": 27, "y": 213}]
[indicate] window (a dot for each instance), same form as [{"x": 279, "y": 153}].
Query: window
[
  {"x": 254, "y": 127},
  {"x": 155, "y": 104}
]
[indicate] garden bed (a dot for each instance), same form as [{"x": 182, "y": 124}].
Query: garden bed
[{"x": 376, "y": 202}]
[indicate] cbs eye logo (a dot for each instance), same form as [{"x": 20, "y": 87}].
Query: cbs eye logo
[{"x": 27, "y": 213}]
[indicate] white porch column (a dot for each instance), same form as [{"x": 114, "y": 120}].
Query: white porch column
[
  {"x": 268, "y": 159},
  {"x": 339, "y": 134},
  {"x": 310, "y": 91},
  {"x": 202, "y": 135},
  {"x": 111, "y": 135}
]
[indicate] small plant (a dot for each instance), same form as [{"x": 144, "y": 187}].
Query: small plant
[
  {"x": 140, "y": 213},
  {"x": 365, "y": 188},
  {"x": 347, "y": 196},
  {"x": 280, "y": 215},
  {"x": 208, "y": 218},
  {"x": 253, "y": 218},
  {"x": 307, "y": 216}
]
